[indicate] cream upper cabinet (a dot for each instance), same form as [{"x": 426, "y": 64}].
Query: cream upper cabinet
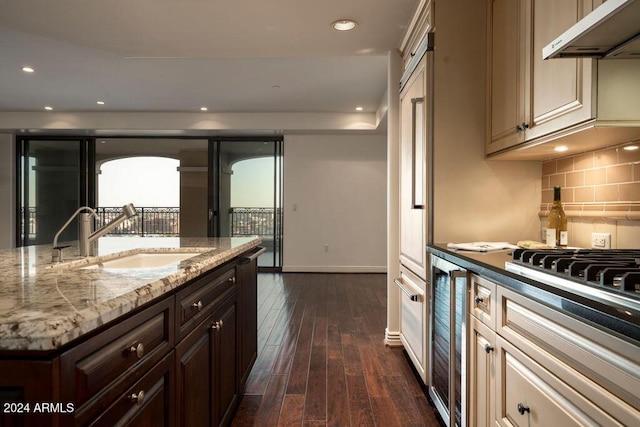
[
  {"x": 413, "y": 172},
  {"x": 581, "y": 103},
  {"x": 419, "y": 26},
  {"x": 508, "y": 91}
]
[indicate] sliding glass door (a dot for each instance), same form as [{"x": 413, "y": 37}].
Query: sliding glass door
[
  {"x": 55, "y": 177},
  {"x": 246, "y": 179}
]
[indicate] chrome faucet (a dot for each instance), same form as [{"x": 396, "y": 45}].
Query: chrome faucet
[{"x": 86, "y": 237}]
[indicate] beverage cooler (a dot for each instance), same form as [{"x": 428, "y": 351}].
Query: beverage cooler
[{"x": 447, "y": 341}]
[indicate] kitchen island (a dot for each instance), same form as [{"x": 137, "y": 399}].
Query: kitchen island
[
  {"x": 538, "y": 353},
  {"x": 99, "y": 346}
]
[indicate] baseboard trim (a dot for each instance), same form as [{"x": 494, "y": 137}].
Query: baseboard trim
[
  {"x": 333, "y": 269},
  {"x": 392, "y": 339}
]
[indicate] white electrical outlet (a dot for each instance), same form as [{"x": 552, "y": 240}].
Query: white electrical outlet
[{"x": 601, "y": 240}]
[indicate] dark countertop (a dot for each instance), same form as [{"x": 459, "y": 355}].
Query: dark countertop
[{"x": 622, "y": 322}]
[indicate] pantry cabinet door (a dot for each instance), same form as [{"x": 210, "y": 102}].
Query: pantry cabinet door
[{"x": 413, "y": 172}]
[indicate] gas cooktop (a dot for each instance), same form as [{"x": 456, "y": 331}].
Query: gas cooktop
[{"x": 610, "y": 274}]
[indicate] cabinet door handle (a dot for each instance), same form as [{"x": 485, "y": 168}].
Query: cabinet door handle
[
  {"x": 523, "y": 408},
  {"x": 478, "y": 300},
  {"x": 138, "y": 349},
  {"x": 232, "y": 279},
  {"x": 412, "y": 296},
  {"x": 137, "y": 398},
  {"x": 487, "y": 348},
  {"x": 197, "y": 305},
  {"x": 522, "y": 127},
  {"x": 414, "y": 102}
]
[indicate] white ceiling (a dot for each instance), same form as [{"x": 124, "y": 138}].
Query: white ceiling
[{"x": 179, "y": 55}]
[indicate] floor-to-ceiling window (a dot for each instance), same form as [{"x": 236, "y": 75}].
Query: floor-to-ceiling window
[
  {"x": 55, "y": 177},
  {"x": 247, "y": 193}
]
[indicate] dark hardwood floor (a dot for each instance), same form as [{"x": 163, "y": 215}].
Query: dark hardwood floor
[{"x": 322, "y": 360}]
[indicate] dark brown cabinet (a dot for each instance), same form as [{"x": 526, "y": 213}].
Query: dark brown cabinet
[
  {"x": 182, "y": 360},
  {"x": 247, "y": 274},
  {"x": 206, "y": 363}
]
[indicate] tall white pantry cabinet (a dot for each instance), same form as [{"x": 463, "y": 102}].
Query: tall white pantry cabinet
[{"x": 415, "y": 144}]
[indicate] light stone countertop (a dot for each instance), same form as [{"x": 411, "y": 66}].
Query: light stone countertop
[{"x": 43, "y": 308}]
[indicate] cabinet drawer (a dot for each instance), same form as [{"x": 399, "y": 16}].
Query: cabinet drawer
[
  {"x": 150, "y": 401},
  {"x": 115, "y": 358},
  {"x": 600, "y": 366},
  {"x": 413, "y": 323},
  {"x": 483, "y": 301},
  {"x": 197, "y": 300},
  {"x": 532, "y": 396}
]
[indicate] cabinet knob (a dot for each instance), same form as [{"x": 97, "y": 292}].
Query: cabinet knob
[
  {"x": 523, "y": 408},
  {"x": 478, "y": 300},
  {"x": 197, "y": 305},
  {"x": 487, "y": 348},
  {"x": 217, "y": 325},
  {"x": 522, "y": 127},
  {"x": 137, "y": 398},
  {"x": 232, "y": 279},
  {"x": 138, "y": 349}
]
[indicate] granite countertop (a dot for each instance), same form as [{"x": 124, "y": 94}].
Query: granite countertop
[
  {"x": 621, "y": 321},
  {"x": 42, "y": 308}
]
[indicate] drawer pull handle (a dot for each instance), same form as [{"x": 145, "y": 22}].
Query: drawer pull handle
[
  {"x": 522, "y": 409},
  {"x": 232, "y": 279},
  {"x": 217, "y": 325},
  {"x": 478, "y": 300},
  {"x": 412, "y": 297},
  {"x": 138, "y": 349},
  {"x": 137, "y": 398},
  {"x": 487, "y": 348},
  {"x": 197, "y": 305}
]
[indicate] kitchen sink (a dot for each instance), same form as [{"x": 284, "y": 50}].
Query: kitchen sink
[
  {"x": 140, "y": 259},
  {"x": 144, "y": 260}
]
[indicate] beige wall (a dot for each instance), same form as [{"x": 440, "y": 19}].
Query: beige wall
[
  {"x": 7, "y": 191},
  {"x": 334, "y": 203},
  {"x": 475, "y": 199},
  {"x": 193, "y": 194},
  {"x": 600, "y": 193}
]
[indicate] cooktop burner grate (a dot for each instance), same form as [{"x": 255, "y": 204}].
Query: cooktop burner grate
[{"x": 616, "y": 270}]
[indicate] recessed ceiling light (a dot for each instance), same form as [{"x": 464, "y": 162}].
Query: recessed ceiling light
[
  {"x": 203, "y": 108},
  {"x": 359, "y": 108},
  {"x": 100, "y": 102},
  {"x": 48, "y": 108},
  {"x": 344, "y": 24},
  {"x": 631, "y": 147},
  {"x": 276, "y": 86},
  {"x": 561, "y": 148},
  {"x": 28, "y": 69}
]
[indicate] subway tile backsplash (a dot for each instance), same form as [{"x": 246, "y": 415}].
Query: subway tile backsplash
[
  {"x": 600, "y": 193},
  {"x": 600, "y": 177}
]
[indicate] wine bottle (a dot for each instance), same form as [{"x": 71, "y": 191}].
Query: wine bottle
[{"x": 558, "y": 221}]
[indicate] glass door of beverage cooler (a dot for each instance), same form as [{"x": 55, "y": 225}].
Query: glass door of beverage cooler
[{"x": 447, "y": 341}]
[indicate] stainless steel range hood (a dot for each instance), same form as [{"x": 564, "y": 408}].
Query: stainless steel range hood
[{"x": 611, "y": 31}]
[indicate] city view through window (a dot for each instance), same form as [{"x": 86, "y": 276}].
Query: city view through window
[{"x": 152, "y": 184}]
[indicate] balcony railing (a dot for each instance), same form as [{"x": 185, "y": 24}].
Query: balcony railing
[
  {"x": 255, "y": 221},
  {"x": 153, "y": 221},
  {"x": 150, "y": 221}
]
